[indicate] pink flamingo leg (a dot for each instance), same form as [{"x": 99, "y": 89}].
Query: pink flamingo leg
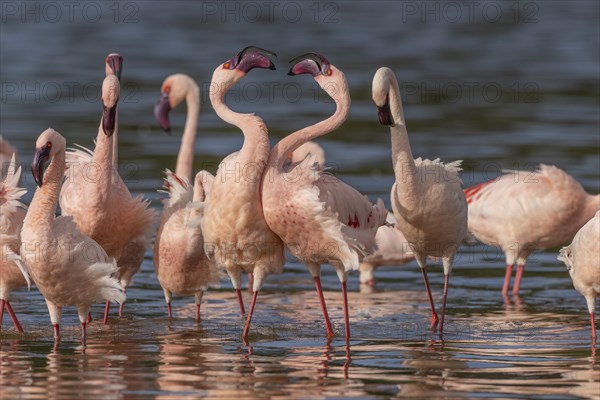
[
  {"x": 1, "y": 311},
  {"x": 56, "y": 332},
  {"x": 169, "y": 310},
  {"x": 197, "y": 312},
  {"x": 241, "y": 301},
  {"x": 518, "y": 277},
  {"x": 446, "y": 279},
  {"x": 323, "y": 306},
  {"x": 434, "y": 317},
  {"x": 247, "y": 326},
  {"x": 83, "y": 331},
  {"x": 89, "y": 318},
  {"x": 593, "y": 326},
  {"x": 346, "y": 318},
  {"x": 106, "y": 310},
  {"x": 13, "y": 316},
  {"x": 371, "y": 282},
  {"x": 507, "y": 276},
  {"x": 122, "y": 304}
]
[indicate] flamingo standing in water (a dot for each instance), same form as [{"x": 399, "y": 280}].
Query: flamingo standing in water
[
  {"x": 320, "y": 218},
  {"x": 180, "y": 263},
  {"x": 522, "y": 211},
  {"x": 68, "y": 267},
  {"x": 428, "y": 202},
  {"x": 13, "y": 273},
  {"x": 582, "y": 258},
  {"x": 100, "y": 203},
  {"x": 235, "y": 231}
]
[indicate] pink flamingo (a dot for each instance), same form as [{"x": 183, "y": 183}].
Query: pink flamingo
[
  {"x": 235, "y": 231},
  {"x": 522, "y": 211},
  {"x": 428, "y": 202},
  {"x": 13, "y": 273},
  {"x": 180, "y": 263},
  {"x": 68, "y": 267},
  {"x": 582, "y": 258},
  {"x": 320, "y": 218},
  {"x": 392, "y": 249},
  {"x": 96, "y": 197}
]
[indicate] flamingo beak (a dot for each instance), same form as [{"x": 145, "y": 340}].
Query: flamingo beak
[
  {"x": 161, "y": 112},
  {"x": 39, "y": 162},
  {"x": 115, "y": 62},
  {"x": 254, "y": 57},
  {"x": 385, "y": 114},
  {"x": 305, "y": 67},
  {"x": 109, "y": 119}
]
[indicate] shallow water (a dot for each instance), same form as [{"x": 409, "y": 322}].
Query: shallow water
[{"x": 498, "y": 94}]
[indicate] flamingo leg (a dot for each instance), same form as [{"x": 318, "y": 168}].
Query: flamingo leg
[
  {"x": 593, "y": 326},
  {"x": 518, "y": 277},
  {"x": 106, "y": 310},
  {"x": 371, "y": 282},
  {"x": 83, "y": 331},
  {"x": 346, "y": 318},
  {"x": 197, "y": 312},
  {"x": 198, "y": 301},
  {"x": 507, "y": 276},
  {"x": 323, "y": 306},
  {"x": 446, "y": 279},
  {"x": 434, "y": 317},
  {"x": 13, "y": 316},
  {"x": 249, "y": 319},
  {"x": 89, "y": 318},
  {"x": 122, "y": 304},
  {"x": 1, "y": 311},
  {"x": 241, "y": 301},
  {"x": 169, "y": 310},
  {"x": 56, "y": 331}
]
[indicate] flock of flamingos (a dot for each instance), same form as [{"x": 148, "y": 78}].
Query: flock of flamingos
[{"x": 241, "y": 223}]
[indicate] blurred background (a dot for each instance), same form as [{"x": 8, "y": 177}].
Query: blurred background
[{"x": 498, "y": 84}]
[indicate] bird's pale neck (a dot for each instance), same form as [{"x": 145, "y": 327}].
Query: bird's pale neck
[
  {"x": 286, "y": 146},
  {"x": 256, "y": 138},
  {"x": 103, "y": 156},
  {"x": 43, "y": 205},
  {"x": 592, "y": 206},
  {"x": 185, "y": 158},
  {"x": 115, "y": 142}
]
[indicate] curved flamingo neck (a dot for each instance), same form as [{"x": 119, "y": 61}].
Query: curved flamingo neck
[
  {"x": 115, "y": 142},
  {"x": 103, "y": 155},
  {"x": 402, "y": 157},
  {"x": 185, "y": 158},
  {"x": 288, "y": 144},
  {"x": 45, "y": 199},
  {"x": 256, "y": 139}
]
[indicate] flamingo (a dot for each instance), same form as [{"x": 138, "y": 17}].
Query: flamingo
[
  {"x": 319, "y": 218},
  {"x": 100, "y": 203},
  {"x": 521, "y": 211},
  {"x": 582, "y": 258},
  {"x": 68, "y": 267},
  {"x": 13, "y": 273},
  {"x": 235, "y": 231},
  {"x": 6, "y": 153},
  {"x": 180, "y": 263},
  {"x": 392, "y": 249},
  {"x": 428, "y": 202}
]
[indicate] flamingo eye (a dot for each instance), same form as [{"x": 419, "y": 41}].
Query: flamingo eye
[
  {"x": 49, "y": 145},
  {"x": 329, "y": 72},
  {"x": 227, "y": 65},
  {"x": 167, "y": 89}
]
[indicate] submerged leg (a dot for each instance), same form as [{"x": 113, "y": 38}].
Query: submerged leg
[
  {"x": 198, "y": 301},
  {"x": 168, "y": 297},
  {"x": 518, "y": 277},
  {"x": 434, "y": 316},
  {"x": 507, "y": 276},
  {"x": 346, "y": 317},
  {"x": 249, "y": 319},
  {"x": 446, "y": 278},
  {"x": 593, "y": 325},
  {"x": 106, "y": 310}
]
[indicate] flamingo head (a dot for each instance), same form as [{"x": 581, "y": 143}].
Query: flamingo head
[
  {"x": 49, "y": 143},
  {"x": 114, "y": 64},
  {"x": 249, "y": 58},
  {"x": 110, "y": 98},
  {"x": 381, "y": 95},
  {"x": 174, "y": 90},
  {"x": 332, "y": 80}
]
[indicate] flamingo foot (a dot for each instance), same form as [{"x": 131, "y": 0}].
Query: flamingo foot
[
  {"x": 328, "y": 327},
  {"x": 518, "y": 277},
  {"x": 247, "y": 326},
  {"x": 169, "y": 310},
  {"x": 13, "y": 316},
  {"x": 56, "y": 332},
  {"x": 507, "y": 276},
  {"x": 241, "y": 302},
  {"x": 346, "y": 318},
  {"x": 106, "y": 310}
]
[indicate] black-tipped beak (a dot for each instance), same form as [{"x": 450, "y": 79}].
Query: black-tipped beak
[
  {"x": 385, "y": 114},
  {"x": 115, "y": 61},
  {"x": 161, "y": 112},
  {"x": 109, "y": 119},
  {"x": 39, "y": 162},
  {"x": 255, "y": 57}
]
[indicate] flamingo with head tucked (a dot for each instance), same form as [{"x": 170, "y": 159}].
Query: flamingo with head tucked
[
  {"x": 522, "y": 211},
  {"x": 582, "y": 258},
  {"x": 99, "y": 201},
  {"x": 319, "y": 218},
  {"x": 428, "y": 202},
  {"x": 234, "y": 227},
  {"x": 68, "y": 267},
  {"x": 180, "y": 263},
  {"x": 13, "y": 273}
]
